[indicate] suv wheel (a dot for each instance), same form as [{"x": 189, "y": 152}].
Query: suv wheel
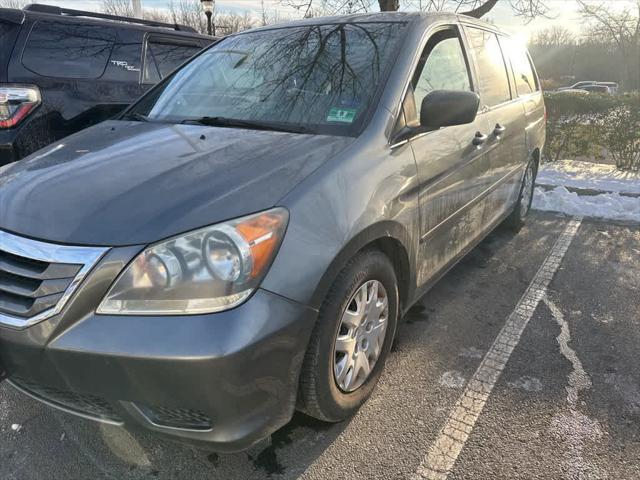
[
  {"x": 521, "y": 210},
  {"x": 351, "y": 340}
]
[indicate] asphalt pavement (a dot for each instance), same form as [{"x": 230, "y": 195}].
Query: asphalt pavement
[{"x": 564, "y": 403}]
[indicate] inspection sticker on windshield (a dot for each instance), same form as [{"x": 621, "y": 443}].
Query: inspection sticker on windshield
[{"x": 342, "y": 115}]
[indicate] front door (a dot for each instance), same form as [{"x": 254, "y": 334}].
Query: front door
[{"x": 453, "y": 166}]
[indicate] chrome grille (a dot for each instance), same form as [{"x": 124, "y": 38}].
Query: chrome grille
[
  {"x": 37, "y": 278},
  {"x": 28, "y": 287}
]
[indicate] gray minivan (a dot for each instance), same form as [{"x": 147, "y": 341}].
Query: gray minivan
[{"x": 244, "y": 239}]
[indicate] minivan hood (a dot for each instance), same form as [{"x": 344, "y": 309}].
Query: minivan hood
[{"x": 125, "y": 183}]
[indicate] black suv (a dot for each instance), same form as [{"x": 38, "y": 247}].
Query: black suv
[{"x": 63, "y": 70}]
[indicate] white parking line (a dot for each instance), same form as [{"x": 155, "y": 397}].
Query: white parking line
[{"x": 444, "y": 452}]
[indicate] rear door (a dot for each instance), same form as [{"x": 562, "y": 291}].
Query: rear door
[
  {"x": 527, "y": 86},
  {"x": 503, "y": 112},
  {"x": 452, "y": 170}
]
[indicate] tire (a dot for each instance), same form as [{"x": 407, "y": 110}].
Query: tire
[
  {"x": 320, "y": 394},
  {"x": 516, "y": 220}
]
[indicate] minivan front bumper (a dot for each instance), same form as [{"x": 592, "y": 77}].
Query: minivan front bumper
[{"x": 226, "y": 380}]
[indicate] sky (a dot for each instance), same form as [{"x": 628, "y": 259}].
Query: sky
[{"x": 562, "y": 12}]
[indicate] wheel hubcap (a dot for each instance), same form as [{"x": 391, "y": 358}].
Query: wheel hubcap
[
  {"x": 360, "y": 336},
  {"x": 527, "y": 192}
]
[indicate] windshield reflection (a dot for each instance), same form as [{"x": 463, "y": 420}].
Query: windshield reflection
[{"x": 322, "y": 77}]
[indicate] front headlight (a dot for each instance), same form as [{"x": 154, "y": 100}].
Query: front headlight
[{"x": 204, "y": 271}]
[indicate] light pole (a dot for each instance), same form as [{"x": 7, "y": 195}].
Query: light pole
[
  {"x": 208, "y": 6},
  {"x": 137, "y": 8}
]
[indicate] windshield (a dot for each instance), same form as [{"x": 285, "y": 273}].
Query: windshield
[{"x": 317, "y": 78}]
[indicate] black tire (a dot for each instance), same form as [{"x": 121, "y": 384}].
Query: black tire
[
  {"x": 516, "y": 220},
  {"x": 319, "y": 395}
]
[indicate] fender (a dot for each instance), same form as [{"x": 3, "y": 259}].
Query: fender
[{"x": 394, "y": 241}]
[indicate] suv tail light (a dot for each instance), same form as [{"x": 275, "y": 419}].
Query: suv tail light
[{"x": 16, "y": 102}]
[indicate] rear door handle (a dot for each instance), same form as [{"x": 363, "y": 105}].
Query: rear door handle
[
  {"x": 479, "y": 139},
  {"x": 499, "y": 130}
]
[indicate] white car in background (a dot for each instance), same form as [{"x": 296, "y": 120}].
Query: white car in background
[{"x": 593, "y": 86}]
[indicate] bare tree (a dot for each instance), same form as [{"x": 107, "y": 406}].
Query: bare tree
[
  {"x": 556, "y": 36},
  {"x": 229, "y": 23},
  {"x": 122, "y": 8},
  {"x": 188, "y": 13},
  {"x": 156, "y": 15},
  {"x": 269, "y": 17},
  {"x": 620, "y": 27},
  {"x": 527, "y": 9},
  {"x": 263, "y": 14},
  {"x": 13, "y": 3}
]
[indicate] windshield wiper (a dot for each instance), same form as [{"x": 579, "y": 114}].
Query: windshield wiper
[{"x": 250, "y": 124}]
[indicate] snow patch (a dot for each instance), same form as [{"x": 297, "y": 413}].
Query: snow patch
[
  {"x": 606, "y": 205},
  {"x": 471, "y": 352},
  {"x": 605, "y": 318},
  {"x": 586, "y": 175},
  {"x": 452, "y": 379},
  {"x": 625, "y": 386},
  {"x": 526, "y": 383},
  {"x": 577, "y": 431}
]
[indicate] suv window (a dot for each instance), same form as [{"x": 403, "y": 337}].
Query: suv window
[
  {"x": 126, "y": 57},
  {"x": 57, "y": 49},
  {"x": 522, "y": 70},
  {"x": 163, "y": 57},
  {"x": 7, "y": 39},
  {"x": 492, "y": 72},
  {"x": 5, "y": 30},
  {"x": 442, "y": 67}
]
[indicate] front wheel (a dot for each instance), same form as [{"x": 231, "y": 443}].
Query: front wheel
[
  {"x": 521, "y": 210},
  {"x": 351, "y": 339}
]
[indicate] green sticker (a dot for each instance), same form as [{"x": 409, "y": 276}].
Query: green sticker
[{"x": 342, "y": 115}]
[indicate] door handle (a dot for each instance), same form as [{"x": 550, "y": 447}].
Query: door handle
[
  {"x": 479, "y": 139},
  {"x": 499, "y": 130}
]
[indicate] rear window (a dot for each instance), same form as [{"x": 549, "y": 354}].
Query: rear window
[
  {"x": 492, "y": 71},
  {"x": 522, "y": 69},
  {"x": 57, "y": 49},
  {"x": 8, "y": 33},
  {"x": 124, "y": 64},
  {"x": 6, "y": 30},
  {"x": 162, "y": 58}
]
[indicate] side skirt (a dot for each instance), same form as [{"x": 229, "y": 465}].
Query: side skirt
[{"x": 419, "y": 293}]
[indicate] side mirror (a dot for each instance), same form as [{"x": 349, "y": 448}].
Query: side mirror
[{"x": 444, "y": 108}]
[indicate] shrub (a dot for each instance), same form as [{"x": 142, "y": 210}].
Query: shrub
[
  {"x": 619, "y": 130},
  {"x": 590, "y": 124}
]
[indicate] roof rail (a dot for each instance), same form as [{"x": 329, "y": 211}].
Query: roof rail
[{"x": 53, "y": 10}]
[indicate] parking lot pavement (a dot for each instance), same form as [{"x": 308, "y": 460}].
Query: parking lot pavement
[{"x": 567, "y": 404}]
